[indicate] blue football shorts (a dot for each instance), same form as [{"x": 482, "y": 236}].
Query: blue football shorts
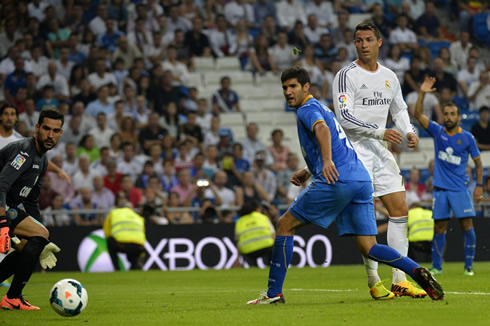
[
  {"x": 459, "y": 202},
  {"x": 349, "y": 203}
]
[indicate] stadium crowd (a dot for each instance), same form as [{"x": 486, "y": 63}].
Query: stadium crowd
[{"x": 135, "y": 128}]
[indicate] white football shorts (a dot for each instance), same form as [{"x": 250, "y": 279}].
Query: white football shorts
[{"x": 382, "y": 167}]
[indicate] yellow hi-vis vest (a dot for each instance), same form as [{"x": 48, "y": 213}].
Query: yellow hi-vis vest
[
  {"x": 420, "y": 225},
  {"x": 254, "y": 232},
  {"x": 124, "y": 225}
]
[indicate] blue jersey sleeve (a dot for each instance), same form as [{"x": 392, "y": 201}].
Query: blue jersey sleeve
[
  {"x": 310, "y": 115},
  {"x": 434, "y": 128},
  {"x": 473, "y": 148}
]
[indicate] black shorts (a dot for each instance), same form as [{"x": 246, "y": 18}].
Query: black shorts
[{"x": 15, "y": 216}]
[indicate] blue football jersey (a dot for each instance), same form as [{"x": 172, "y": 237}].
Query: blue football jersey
[
  {"x": 344, "y": 157},
  {"x": 451, "y": 157}
]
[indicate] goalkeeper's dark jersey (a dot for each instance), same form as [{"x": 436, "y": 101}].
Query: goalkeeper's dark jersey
[{"x": 20, "y": 178}]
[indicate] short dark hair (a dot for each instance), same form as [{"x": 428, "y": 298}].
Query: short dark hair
[
  {"x": 451, "y": 104},
  {"x": 483, "y": 109},
  {"x": 299, "y": 73},
  {"x": 51, "y": 114},
  {"x": 368, "y": 26},
  {"x": 7, "y": 105}
]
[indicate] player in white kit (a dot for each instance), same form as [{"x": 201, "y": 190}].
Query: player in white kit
[{"x": 364, "y": 92}]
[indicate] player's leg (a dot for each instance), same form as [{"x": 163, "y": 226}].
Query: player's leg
[
  {"x": 113, "y": 248},
  {"x": 441, "y": 212},
  {"x": 25, "y": 261},
  {"x": 469, "y": 244}
]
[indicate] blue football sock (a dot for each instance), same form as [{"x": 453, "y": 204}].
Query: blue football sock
[
  {"x": 282, "y": 252},
  {"x": 393, "y": 258},
  {"x": 438, "y": 244},
  {"x": 469, "y": 247}
]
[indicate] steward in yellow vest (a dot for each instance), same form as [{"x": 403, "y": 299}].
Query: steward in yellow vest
[
  {"x": 125, "y": 233},
  {"x": 420, "y": 233},
  {"x": 254, "y": 234}
]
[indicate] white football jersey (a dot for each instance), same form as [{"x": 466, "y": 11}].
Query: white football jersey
[
  {"x": 362, "y": 100},
  {"x": 4, "y": 141}
]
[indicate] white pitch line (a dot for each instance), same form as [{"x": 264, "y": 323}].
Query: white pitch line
[{"x": 351, "y": 290}]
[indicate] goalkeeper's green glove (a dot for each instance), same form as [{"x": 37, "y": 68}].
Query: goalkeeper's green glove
[{"x": 47, "y": 257}]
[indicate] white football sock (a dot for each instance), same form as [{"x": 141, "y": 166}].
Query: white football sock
[
  {"x": 371, "y": 271},
  {"x": 398, "y": 240}
]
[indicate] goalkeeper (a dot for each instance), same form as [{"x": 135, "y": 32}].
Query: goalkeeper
[{"x": 23, "y": 164}]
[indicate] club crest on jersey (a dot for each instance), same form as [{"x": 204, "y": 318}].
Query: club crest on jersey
[
  {"x": 459, "y": 142},
  {"x": 18, "y": 161},
  {"x": 12, "y": 213},
  {"x": 387, "y": 84}
]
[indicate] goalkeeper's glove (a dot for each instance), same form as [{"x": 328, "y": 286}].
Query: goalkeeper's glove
[
  {"x": 4, "y": 235},
  {"x": 47, "y": 257}
]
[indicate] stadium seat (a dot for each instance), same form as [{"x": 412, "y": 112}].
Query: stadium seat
[
  {"x": 231, "y": 119},
  {"x": 250, "y": 105},
  {"x": 272, "y": 104},
  {"x": 284, "y": 118},
  {"x": 206, "y": 92},
  {"x": 269, "y": 79},
  {"x": 409, "y": 160},
  {"x": 259, "y": 117},
  {"x": 228, "y": 63},
  {"x": 480, "y": 28},
  {"x": 356, "y": 19},
  {"x": 435, "y": 47},
  {"x": 204, "y": 64},
  {"x": 250, "y": 91},
  {"x": 212, "y": 78},
  {"x": 426, "y": 144},
  {"x": 461, "y": 102},
  {"x": 485, "y": 158},
  {"x": 195, "y": 79},
  {"x": 239, "y": 132}
]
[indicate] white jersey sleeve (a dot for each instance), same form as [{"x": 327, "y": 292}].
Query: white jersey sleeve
[
  {"x": 399, "y": 111},
  {"x": 345, "y": 98}
]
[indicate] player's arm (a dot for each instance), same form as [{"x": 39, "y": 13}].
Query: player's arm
[
  {"x": 399, "y": 113},
  {"x": 343, "y": 91},
  {"x": 419, "y": 106},
  {"x": 56, "y": 169},
  {"x": 477, "y": 194},
  {"x": 322, "y": 133}
]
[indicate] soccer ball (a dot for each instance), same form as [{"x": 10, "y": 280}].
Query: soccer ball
[{"x": 68, "y": 297}]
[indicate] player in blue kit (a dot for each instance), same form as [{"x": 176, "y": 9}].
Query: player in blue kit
[
  {"x": 452, "y": 146},
  {"x": 341, "y": 191}
]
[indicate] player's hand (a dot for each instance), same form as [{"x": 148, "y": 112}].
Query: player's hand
[
  {"x": 392, "y": 136},
  {"x": 413, "y": 140},
  {"x": 477, "y": 194},
  {"x": 330, "y": 172},
  {"x": 299, "y": 177},
  {"x": 426, "y": 86},
  {"x": 62, "y": 174},
  {"x": 47, "y": 257},
  {"x": 4, "y": 235}
]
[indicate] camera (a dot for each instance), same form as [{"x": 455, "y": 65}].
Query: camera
[{"x": 202, "y": 183}]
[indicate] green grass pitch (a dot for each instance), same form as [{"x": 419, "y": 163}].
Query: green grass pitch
[{"x": 336, "y": 295}]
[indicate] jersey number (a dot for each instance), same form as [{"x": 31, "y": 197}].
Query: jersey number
[
  {"x": 342, "y": 134},
  {"x": 24, "y": 192}
]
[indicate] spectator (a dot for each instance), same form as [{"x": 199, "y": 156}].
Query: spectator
[
  {"x": 284, "y": 177},
  {"x": 479, "y": 92},
  {"x": 468, "y": 75},
  {"x": 179, "y": 70},
  {"x": 261, "y": 59},
  {"x": 175, "y": 21},
  {"x": 282, "y": 54},
  {"x": 70, "y": 161},
  {"x": 176, "y": 217},
  {"x": 415, "y": 75},
  {"x": 270, "y": 30},
  {"x": 289, "y": 12},
  {"x": 263, "y": 9},
  {"x": 481, "y": 130},
  {"x": 165, "y": 94},
  {"x": 100, "y": 77},
  {"x": 101, "y": 132},
  {"x": 190, "y": 130},
  {"x": 97, "y": 24},
  {"x": 222, "y": 39},
  {"x": 337, "y": 33},
  {"x": 85, "y": 96},
  {"x": 129, "y": 165},
  {"x": 154, "y": 52},
  {"x": 297, "y": 37},
  {"x": 432, "y": 108},
  {"x": 211, "y": 136},
  {"x": 15, "y": 80},
  {"x": 443, "y": 78},
  {"x": 168, "y": 179},
  {"x": 9, "y": 36},
  {"x": 278, "y": 151},
  {"x": 210, "y": 166},
  {"x": 48, "y": 101},
  {"x": 152, "y": 134},
  {"x": 102, "y": 197},
  {"x": 311, "y": 64},
  {"x": 325, "y": 51},
  {"x": 58, "y": 184},
  {"x": 396, "y": 62},
  {"x": 100, "y": 165},
  {"x": 102, "y": 104},
  {"x": 225, "y": 194},
  {"x": 112, "y": 180},
  {"x": 87, "y": 147},
  {"x": 264, "y": 176},
  {"x": 404, "y": 36},
  {"x": 110, "y": 38},
  {"x": 239, "y": 10},
  {"x": 85, "y": 175},
  {"x": 77, "y": 74},
  {"x": 414, "y": 183},
  {"x": 57, "y": 81},
  {"x": 244, "y": 42},
  {"x": 196, "y": 40},
  {"x": 38, "y": 62},
  {"x": 313, "y": 30},
  {"x": 460, "y": 49},
  {"x": 225, "y": 99},
  {"x": 381, "y": 21},
  {"x": 59, "y": 219},
  {"x": 324, "y": 12},
  {"x": 152, "y": 208},
  {"x": 132, "y": 193},
  {"x": 140, "y": 37},
  {"x": 128, "y": 52},
  {"x": 84, "y": 202},
  {"x": 57, "y": 38},
  {"x": 448, "y": 62},
  {"x": 30, "y": 116},
  {"x": 75, "y": 55},
  {"x": 46, "y": 193},
  {"x": 148, "y": 172},
  {"x": 251, "y": 144},
  {"x": 250, "y": 190},
  {"x": 141, "y": 114},
  {"x": 429, "y": 27},
  {"x": 184, "y": 188},
  {"x": 117, "y": 11}
]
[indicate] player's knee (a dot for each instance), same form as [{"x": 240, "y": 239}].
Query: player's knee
[
  {"x": 34, "y": 247},
  {"x": 283, "y": 227}
]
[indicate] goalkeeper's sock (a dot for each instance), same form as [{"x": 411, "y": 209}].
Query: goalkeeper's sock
[
  {"x": 438, "y": 244},
  {"x": 393, "y": 258},
  {"x": 469, "y": 247},
  {"x": 282, "y": 252},
  {"x": 398, "y": 239},
  {"x": 8, "y": 265},
  {"x": 26, "y": 263},
  {"x": 371, "y": 271}
]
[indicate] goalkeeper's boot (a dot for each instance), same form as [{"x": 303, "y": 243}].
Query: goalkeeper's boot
[
  {"x": 264, "y": 299},
  {"x": 16, "y": 304},
  {"x": 407, "y": 288},
  {"x": 427, "y": 282},
  {"x": 379, "y": 292},
  {"x": 469, "y": 271},
  {"x": 435, "y": 271}
]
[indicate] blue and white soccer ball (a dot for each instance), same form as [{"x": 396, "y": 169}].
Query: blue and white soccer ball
[{"x": 68, "y": 297}]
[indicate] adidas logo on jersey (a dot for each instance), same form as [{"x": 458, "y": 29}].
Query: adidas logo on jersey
[{"x": 364, "y": 86}]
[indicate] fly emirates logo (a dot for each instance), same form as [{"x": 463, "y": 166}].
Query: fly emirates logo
[
  {"x": 377, "y": 99},
  {"x": 449, "y": 157}
]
